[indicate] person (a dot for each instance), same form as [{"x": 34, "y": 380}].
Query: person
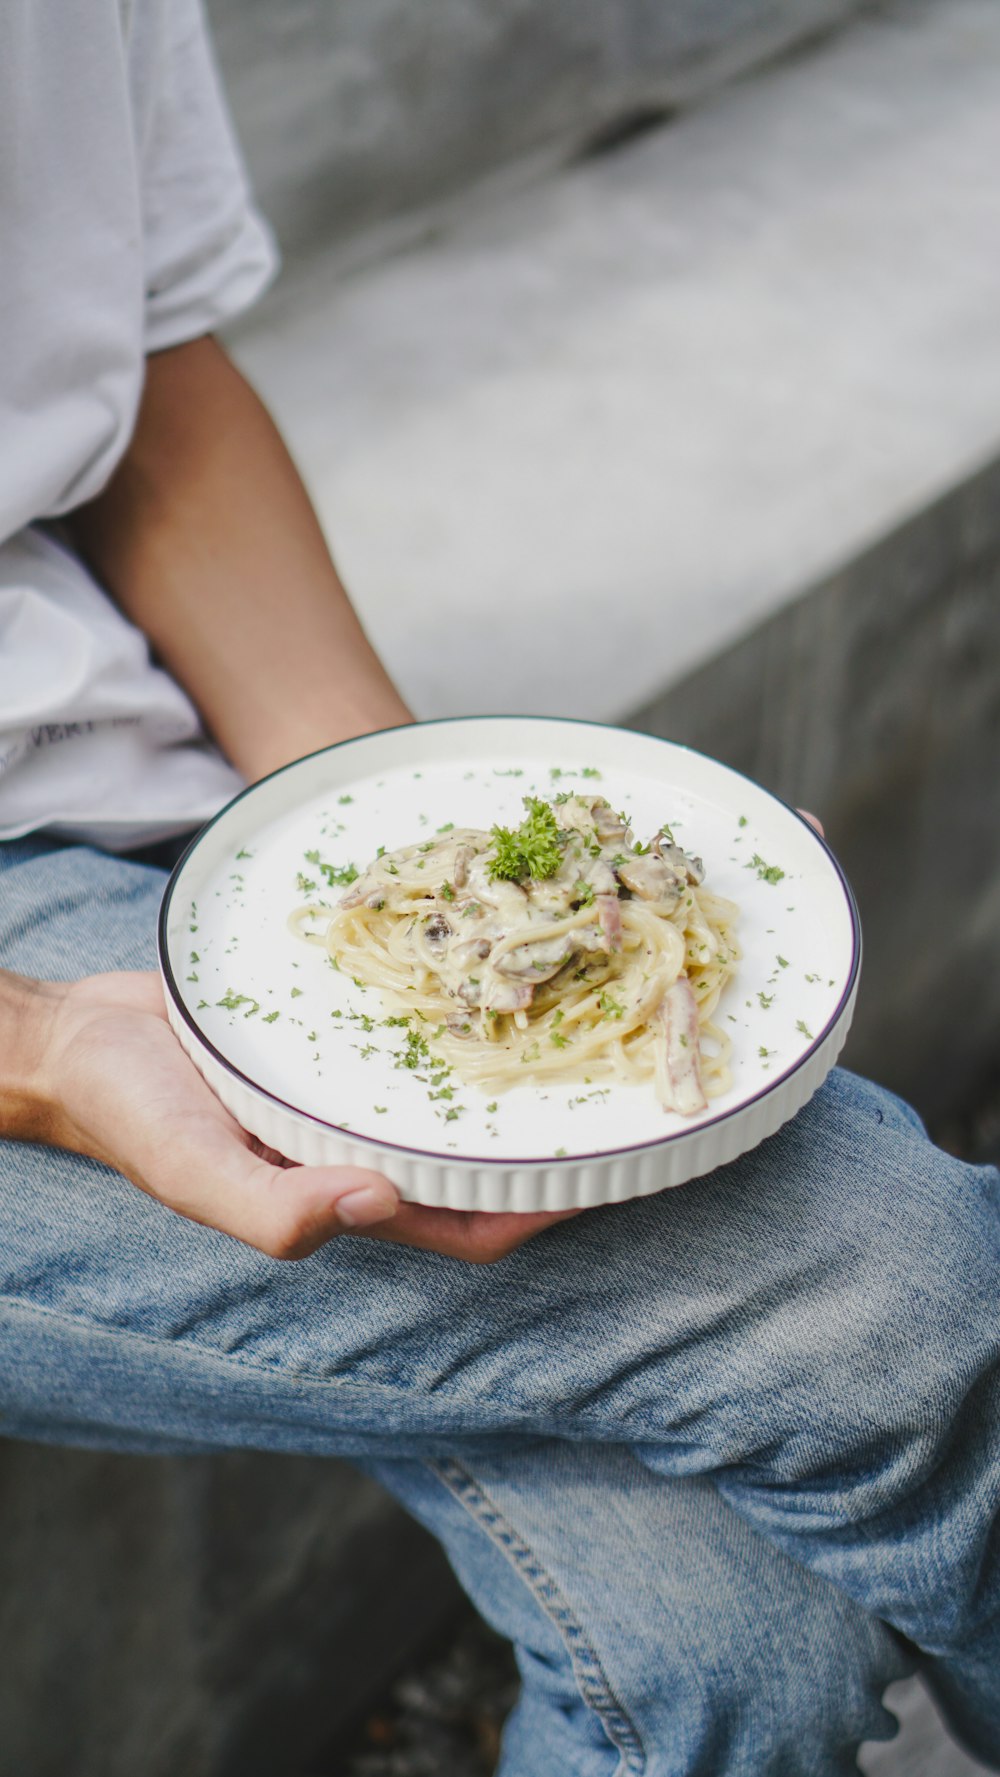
[{"x": 721, "y": 1461}]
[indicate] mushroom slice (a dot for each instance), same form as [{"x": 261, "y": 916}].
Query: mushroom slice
[
  {"x": 435, "y": 936},
  {"x": 463, "y": 858},
  {"x": 691, "y": 871},
  {"x": 508, "y": 996},
  {"x": 651, "y": 878},
  {"x": 601, "y": 878},
  {"x": 609, "y": 824},
  {"x": 535, "y": 962}
]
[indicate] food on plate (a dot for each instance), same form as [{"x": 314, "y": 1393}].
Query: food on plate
[{"x": 558, "y": 949}]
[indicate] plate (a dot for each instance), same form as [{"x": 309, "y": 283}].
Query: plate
[{"x": 304, "y": 1058}]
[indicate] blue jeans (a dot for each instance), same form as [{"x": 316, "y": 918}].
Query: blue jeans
[{"x": 718, "y": 1461}]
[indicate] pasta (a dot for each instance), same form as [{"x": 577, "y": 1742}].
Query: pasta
[{"x": 559, "y": 950}]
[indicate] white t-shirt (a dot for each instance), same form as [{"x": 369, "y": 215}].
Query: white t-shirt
[{"x": 125, "y": 226}]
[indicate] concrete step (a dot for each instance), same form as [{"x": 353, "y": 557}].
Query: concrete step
[
  {"x": 571, "y": 449},
  {"x": 923, "y": 1748},
  {"x": 382, "y": 108}
]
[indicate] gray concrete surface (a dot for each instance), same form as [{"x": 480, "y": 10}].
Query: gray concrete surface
[
  {"x": 198, "y": 1617},
  {"x": 361, "y": 111},
  {"x": 923, "y": 1747},
  {"x": 875, "y": 699},
  {"x": 601, "y": 429}
]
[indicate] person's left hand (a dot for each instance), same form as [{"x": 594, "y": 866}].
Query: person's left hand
[{"x": 116, "y": 1085}]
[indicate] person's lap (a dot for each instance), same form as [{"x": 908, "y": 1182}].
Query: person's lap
[{"x": 814, "y": 1327}]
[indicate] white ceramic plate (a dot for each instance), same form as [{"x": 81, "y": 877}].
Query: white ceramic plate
[{"x": 304, "y": 1059}]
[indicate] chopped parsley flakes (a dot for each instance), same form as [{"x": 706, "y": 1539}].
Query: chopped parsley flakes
[
  {"x": 337, "y": 876},
  {"x": 231, "y": 1001},
  {"x": 765, "y": 872}
]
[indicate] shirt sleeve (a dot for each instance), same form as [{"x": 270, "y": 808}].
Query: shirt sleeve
[{"x": 207, "y": 253}]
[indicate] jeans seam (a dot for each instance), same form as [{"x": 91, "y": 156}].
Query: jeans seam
[{"x": 592, "y": 1680}]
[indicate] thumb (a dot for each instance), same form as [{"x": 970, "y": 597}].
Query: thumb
[{"x": 290, "y": 1211}]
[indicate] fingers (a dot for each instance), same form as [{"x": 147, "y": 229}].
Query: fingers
[
  {"x": 134, "y": 1100},
  {"x": 477, "y": 1236},
  {"x": 814, "y": 821}
]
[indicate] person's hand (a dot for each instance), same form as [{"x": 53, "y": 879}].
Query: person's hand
[{"x": 118, "y": 1086}]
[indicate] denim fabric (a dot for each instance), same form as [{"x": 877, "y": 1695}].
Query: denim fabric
[{"x": 706, "y": 1457}]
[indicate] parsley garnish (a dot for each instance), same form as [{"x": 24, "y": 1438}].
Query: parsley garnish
[
  {"x": 610, "y": 1007},
  {"x": 535, "y": 849},
  {"x": 804, "y": 1028},
  {"x": 416, "y": 1052},
  {"x": 447, "y": 892},
  {"x": 231, "y": 1000},
  {"x": 766, "y": 872},
  {"x": 337, "y": 876}
]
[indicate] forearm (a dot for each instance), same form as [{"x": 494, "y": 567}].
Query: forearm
[
  {"x": 206, "y": 539},
  {"x": 28, "y": 1012}
]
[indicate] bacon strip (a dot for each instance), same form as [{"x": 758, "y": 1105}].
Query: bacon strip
[
  {"x": 609, "y": 913},
  {"x": 680, "y": 1079}
]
